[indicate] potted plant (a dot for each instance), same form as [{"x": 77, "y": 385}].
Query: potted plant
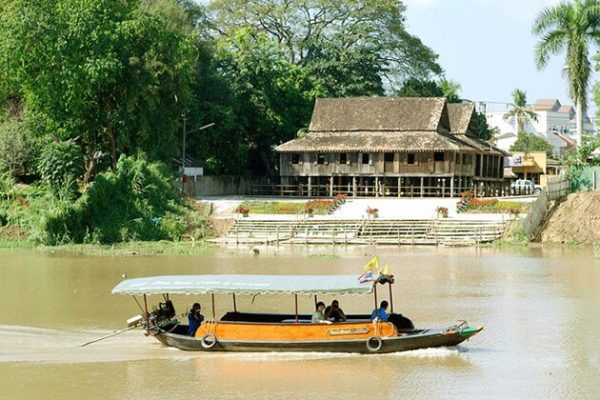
[
  {"x": 243, "y": 210},
  {"x": 442, "y": 212},
  {"x": 372, "y": 212},
  {"x": 309, "y": 210}
]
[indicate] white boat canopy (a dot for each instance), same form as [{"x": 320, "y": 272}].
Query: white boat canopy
[{"x": 244, "y": 284}]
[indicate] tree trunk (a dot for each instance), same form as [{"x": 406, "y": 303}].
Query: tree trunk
[
  {"x": 113, "y": 145},
  {"x": 579, "y": 116}
]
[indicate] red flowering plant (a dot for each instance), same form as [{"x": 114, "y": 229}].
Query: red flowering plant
[
  {"x": 442, "y": 212},
  {"x": 242, "y": 210}
]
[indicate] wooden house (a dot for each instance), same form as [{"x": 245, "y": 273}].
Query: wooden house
[{"x": 390, "y": 146}]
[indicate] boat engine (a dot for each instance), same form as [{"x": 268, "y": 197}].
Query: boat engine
[{"x": 163, "y": 313}]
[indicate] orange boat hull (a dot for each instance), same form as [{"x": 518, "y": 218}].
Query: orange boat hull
[{"x": 287, "y": 332}]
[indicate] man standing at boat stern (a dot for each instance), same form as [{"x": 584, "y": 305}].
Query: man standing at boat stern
[
  {"x": 194, "y": 319},
  {"x": 381, "y": 312}
]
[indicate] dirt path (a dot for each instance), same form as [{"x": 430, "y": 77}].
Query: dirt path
[{"x": 577, "y": 219}]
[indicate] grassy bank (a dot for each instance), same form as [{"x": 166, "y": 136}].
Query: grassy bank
[{"x": 162, "y": 247}]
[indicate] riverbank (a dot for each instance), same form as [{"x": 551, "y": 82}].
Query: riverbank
[
  {"x": 156, "y": 248},
  {"x": 575, "y": 220}
]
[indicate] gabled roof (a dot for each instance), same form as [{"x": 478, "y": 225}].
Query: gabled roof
[
  {"x": 567, "y": 110},
  {"x": 462, "y": 118},
  {"x": 546, "y": 105},
  {"x": 378, "y": 114}
]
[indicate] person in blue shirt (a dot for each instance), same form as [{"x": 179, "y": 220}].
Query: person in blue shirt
[
  {"x": 194, "y": 319},
  {"x": 380, "y": 312}
]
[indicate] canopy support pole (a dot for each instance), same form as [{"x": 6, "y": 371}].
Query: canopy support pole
[
  {"x": 315, "y": 301},
  {"x": 146, "y": 315},
  {"x": 375, "y": 294},
  {"x": 296, "y": 300},
  {"x": 138, "y": 303},
  {"x": 212, "y": 298},
  {"x": 391, "y": 298},
  {"x": 234, "y": 304}
]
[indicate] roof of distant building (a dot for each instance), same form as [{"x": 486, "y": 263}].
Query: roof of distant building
[{"x": 546, "y": 105}]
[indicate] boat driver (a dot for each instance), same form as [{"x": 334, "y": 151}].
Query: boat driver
[
  {"x": 194, "y": 319},
  {"x": 334, "y": 312},
  {"x": 381, "y": 312}
]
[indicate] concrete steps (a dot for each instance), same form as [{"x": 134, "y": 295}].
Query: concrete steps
[{"x": 448, "y": 232}]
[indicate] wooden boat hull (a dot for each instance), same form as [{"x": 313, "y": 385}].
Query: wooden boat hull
[{"x": 417, "y": 339}]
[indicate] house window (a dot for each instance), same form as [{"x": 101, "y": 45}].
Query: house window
[
  {"x": 365, "y": 158},
  {"x": 458, "y": 159},
  {"x": 466, "y": 159},
  {"x": 411, "y": 158},
  {"x": 320, "y": 158},
  {"x": 295, "y": 158},
  {"x": 388, "y": 157},
  {"x": 343, "y": 158},
  {"x": 438, "y": 156}
]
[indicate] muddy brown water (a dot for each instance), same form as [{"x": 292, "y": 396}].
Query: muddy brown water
[{"x": 540, "y": 308}]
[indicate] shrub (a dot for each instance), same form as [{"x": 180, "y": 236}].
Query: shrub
[{"x": 61, "y": 163}]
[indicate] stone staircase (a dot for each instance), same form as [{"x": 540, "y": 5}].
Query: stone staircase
[{"x": 446, "y": 232}]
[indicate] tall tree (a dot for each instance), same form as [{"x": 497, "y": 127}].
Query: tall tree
[
  {"x": 366, "y": 32},
  {"x": 574, "y": 27},
  {"x": 108, "y": 72},
  {"x": 520, "y": 111}
]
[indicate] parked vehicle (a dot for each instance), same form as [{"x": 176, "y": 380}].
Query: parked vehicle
[{"x": 525, "y": 186}]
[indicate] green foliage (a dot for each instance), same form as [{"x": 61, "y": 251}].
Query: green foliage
[
  {"x": 485, "y": 132},
  {"x": 414, "y": 87},
  {"x": 17, "y": 146},
  {"x": 61, "y": 164},
  {"x": 118, "y": 94},
  {"x": 274, "y": 97},
  {"x": 530, "y": 142},
  {"x": 273, "y": 207}
]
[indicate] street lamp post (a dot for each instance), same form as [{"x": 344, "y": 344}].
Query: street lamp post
[{"x": 185, "y": 132}]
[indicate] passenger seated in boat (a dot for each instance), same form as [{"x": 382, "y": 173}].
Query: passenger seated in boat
[
  {"x": 381, "y": 312},
  {"x": 194, "y": 319},
  {"x": 318, "y": 316},
  {"x": 334, "y": 312}
]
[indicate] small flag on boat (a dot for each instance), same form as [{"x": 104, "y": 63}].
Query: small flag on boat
[
  {"x": 373, "y": 264},
  {"x": 385, "y": 270},
  {"x": 366, "y": 276}
]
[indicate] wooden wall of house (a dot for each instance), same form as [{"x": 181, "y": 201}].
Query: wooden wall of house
[{"x": 389, "y": 164}]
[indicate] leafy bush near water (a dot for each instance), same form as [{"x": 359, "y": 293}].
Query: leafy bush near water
[{"x": 135, "y": 202}]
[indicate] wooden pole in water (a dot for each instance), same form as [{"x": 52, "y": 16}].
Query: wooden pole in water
[
  {"x": 296, "y": 299},
  {"x": 234, "y": 304},
  {"x": 316, "y": 301},
  {"x": 212, "y": 296}
]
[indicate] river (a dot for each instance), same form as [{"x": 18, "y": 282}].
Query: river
[{"x": 539, "y": 307}]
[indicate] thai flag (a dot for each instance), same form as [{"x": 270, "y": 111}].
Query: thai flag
[{"x": 367, "y": 276}]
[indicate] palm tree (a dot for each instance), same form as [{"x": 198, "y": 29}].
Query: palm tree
[
  {"x": 520, "y": 110},
  {"x": 572, "y": 26},
  {"x": 450, "y": 90}
]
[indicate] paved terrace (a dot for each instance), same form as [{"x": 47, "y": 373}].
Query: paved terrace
[{"x": 355, "y": 209}]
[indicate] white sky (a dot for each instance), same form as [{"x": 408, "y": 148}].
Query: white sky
[{"x": 487, "y": 47}]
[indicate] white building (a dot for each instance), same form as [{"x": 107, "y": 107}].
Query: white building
[{"x": 555, "y": 123}]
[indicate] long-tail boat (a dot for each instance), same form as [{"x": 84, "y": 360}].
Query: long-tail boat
[{"x": 262, "y": 332}]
